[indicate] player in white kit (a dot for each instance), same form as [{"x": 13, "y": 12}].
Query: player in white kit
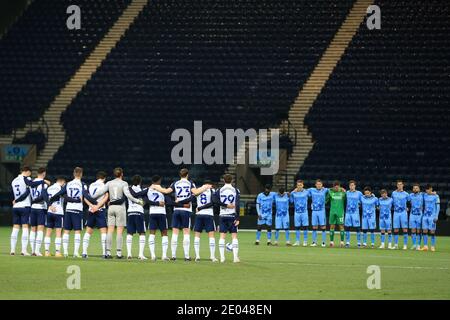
[
  {"x": 55, "y": 214},
  {"x": 76, "y": 192},
  {"x": 228, "y": 198},
  {"x": 204, "y": 220},
  {"x": 21, "y": 208},
  {"x": 183, "y": 189},
  {"x": 38, "y": 213},
  {"x": 97, "y": 214},
  {"x": 135, "y": 220}
]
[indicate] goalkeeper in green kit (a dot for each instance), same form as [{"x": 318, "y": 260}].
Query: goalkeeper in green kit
[{"x": 336, "y": 196}]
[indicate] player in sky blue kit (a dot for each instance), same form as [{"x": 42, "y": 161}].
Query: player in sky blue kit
[
  {"x": 369, "y": 204},
  {"x": 282, "y": 215},
  {"x": 352, "y": 216},
  {"x": 318, "y": 218},
  {"x": 385, "y": 220},
  {"x": 228, "y": 198},
  {"x": 21, "y": 208},
  {"x": 400, "y": 221},
  {"x": 415, "y": 216},
  {"x": 264, "y": 206},
  {"x": 430, "y": 217},
  {"x": 299, "y": 197},
  {"x": 38, "y": 213}
]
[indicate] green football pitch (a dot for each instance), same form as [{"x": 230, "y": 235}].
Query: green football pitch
[{"x": 264, "y": 273}]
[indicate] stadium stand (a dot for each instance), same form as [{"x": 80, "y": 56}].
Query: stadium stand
[
  {"x": 235, "y": 64},
  {"x": 239, "y": 64},
  {"x": 383, "y": 113},
  {"x": 39, "y": 54}
]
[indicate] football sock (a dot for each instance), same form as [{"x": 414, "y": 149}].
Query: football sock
[
  {"x": 186, "y": 245},
  {"x": 151, "y": 245},
  {"x": 141, "y": 245},
  {"x": 212, "y": 248},
  {"x": 314, "y": 236},
  {"x": 47, "y": 242},
  {"x": 86, "y": 239},
  {"x": 129, "y": 245},
  {"x": 222, "y": 249},
  {"x": 32, "y": 240},
  {"x": 58, "y": 244},
  {"x": 14, "y": 234},
  {"x": 24, "y": 239},
  {"x": 197, "y": 247},
  {"x": 103, "y": 242},
  {"x": 39, "y": 238},
  {"x": 173, "y": 245},
  {"x": 164, "y": 245},
  {"x": 235, "y": 245},
  {"x": 77, "y": 241}
]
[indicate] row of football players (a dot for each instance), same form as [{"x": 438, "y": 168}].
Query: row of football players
[
  {"x": 59, "y": 207},
  {"x": 345, "y": 213}
]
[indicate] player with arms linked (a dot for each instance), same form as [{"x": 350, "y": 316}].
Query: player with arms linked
[
  {"x": 264, "y": 206},
  {"x": 21, "y": 208},
  {"x": 228, "y": 198},
  {"x": 183, "y": 189},
  {"x": 430, "y": 216},
  {"x": 204, "y": 220}
]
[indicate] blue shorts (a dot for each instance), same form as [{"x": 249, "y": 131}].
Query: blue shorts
[
  {"x": 73, "y": 220},
  {"x": 135, "y": 223},
  {"x": 428, "y": 223},
  {"x": 54, "y": 221},
  {"x": 181, "y": 219},
  {"x": 400, "y": 220},
  {"x": 369, "y": 223},
  {"x": 318, "y": 218},
  {"x": 204, "y": 222},
  {"x": 227, "y": 225},
  {"x": 158, "y": 221},
  {"x": 301, "y": 220},
  {"x": 415, "y": 221},
  {"x": 97, "y": 219},
  {"x": 282, "y": 222},
  {"x": 385, "y": 224},
  {"x": 21, "y": 215},
  {"x": 266, "y": 220},
  {"x": 37, "y": 217},
  {"x": 352, "y": 220}
]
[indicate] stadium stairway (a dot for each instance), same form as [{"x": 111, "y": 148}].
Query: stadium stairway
[
  {"x": 52, "y": 115},
  {"x": 314, "y": 86}
]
